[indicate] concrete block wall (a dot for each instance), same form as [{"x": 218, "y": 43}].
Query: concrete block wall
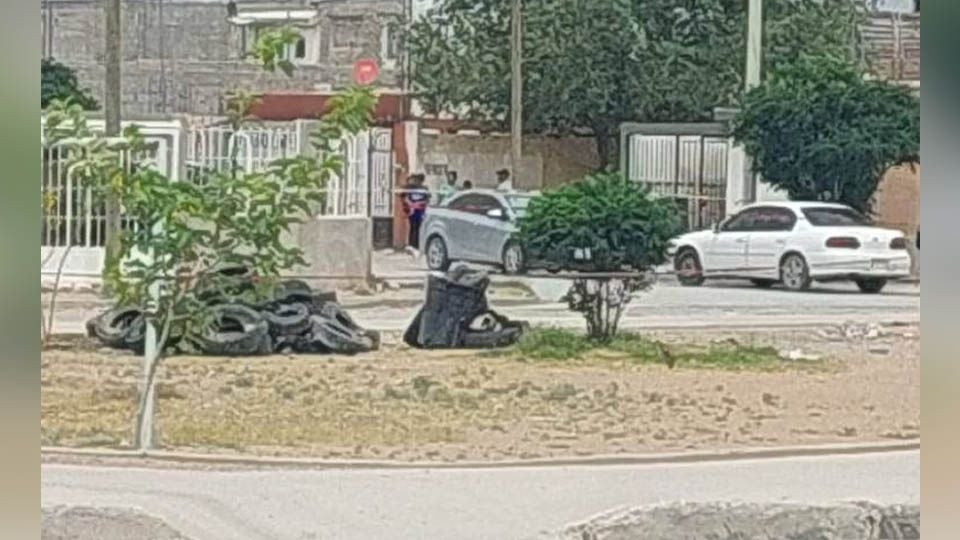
[
  {"x": 338, "y": 250},
  {"x": 182, "y": 57},
  {"x": 547, "y": 161}
]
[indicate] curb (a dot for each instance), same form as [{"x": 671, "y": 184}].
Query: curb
[{"x": 240, "y": 461}]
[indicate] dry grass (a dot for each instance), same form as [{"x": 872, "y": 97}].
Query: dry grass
[{"x": 447, "y": 405}]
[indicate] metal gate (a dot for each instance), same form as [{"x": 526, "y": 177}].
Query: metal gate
[
  {"x": 691, "y": 169},
  {"x": 381, "y": 186},
  {"x": 73, "y": 218}
]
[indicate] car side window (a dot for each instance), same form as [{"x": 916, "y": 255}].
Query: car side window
[
  {"x": 774, "y": 219},
  {"x": 741, "y": 222},
  {"x": 475, "y": 204},
  {"x": 762, "y": 219}
]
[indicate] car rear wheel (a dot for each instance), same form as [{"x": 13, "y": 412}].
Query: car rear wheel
[
  {"x": 794, "y": 272},
  {"x": 764, "y": 283},
  {"x": 871, "y": 285},
  {"x": 513, "y": 260},
  {"x": 437, "y": 258},
  {"x": 688, "y": 268}
]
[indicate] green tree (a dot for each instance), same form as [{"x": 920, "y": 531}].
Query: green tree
[
  {"x": 818, "y": 130},
  {"x": 592, "y": 65},
  {"x": 58, "y": 81},
  {"x": 171, "y": 261},
  {"x": 600, "y": 224}
]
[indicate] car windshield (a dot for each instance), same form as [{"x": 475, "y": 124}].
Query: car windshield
[
  {"x": 827, "y": 216},
  {"x": 519, "y": 203}
]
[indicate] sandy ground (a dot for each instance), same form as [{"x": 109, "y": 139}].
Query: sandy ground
[{"x": 405, "y": 404}]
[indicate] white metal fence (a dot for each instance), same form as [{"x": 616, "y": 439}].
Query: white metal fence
[
  {"x": 215, "y": 148},
  {"x": 73, "y": 225}
]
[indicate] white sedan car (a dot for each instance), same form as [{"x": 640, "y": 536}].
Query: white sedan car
[{"x": 793, "y": 243}]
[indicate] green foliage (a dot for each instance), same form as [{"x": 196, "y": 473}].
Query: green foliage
[
  {"x": 601, "y": 224},
  {"x": 553, "y": 345},
  {"x": 596, "y": 64},
  {"x": 59, "y": 82},
  {"x": 270, "y": 49},
  {"x": 819, "y": 131},
  {"x": 621, "y": 225}
]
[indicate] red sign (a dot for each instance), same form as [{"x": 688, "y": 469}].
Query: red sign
[{"x": 365, "y": 72}]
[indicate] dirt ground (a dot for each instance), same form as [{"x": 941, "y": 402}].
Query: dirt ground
[{"x": 404, "y": 404}]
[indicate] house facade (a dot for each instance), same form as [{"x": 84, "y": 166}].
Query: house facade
[{"x": 182, "y": 56}]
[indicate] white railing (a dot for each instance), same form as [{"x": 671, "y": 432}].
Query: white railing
[{"x": 215, "y": 148}]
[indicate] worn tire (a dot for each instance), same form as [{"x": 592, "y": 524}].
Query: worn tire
[
  {"x": 871, "y": 285},
  {"x": 287, "y": 319},
  {"x": 114, "y": 326},
  {"x": 237, "y": 331},
  {"x": 293, "y": 290},
  {"x": 330, "y": 336},
  {"x": 686, "y": 263}
]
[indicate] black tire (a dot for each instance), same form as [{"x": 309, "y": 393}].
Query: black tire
[
  {"x": 438, "y": 258},
  {"x": 764, "y": 283},
  {"x": 688, "y": 268},
  {"x": 114, "y": 326},
  {"x": 293, "y": 290},
  {"x": 794, "y": 272},
  {"x": 871, "y": 285},
  {"x": 331, "y": 336},
  {"x": 237, "y": 331},
  {"x": 287, "y": 319},
  {"x": 513, "y": 259}
]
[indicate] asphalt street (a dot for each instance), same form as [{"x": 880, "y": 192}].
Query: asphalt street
[
  {"x": 510, "y": 503},
  {"x": 665, "y": 306}
]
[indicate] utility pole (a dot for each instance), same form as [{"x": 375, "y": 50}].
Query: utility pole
[
  {"x": 516, "y": 92},
  {"x": 752, "y": 80},
  {"x": 111, "y": 110}
]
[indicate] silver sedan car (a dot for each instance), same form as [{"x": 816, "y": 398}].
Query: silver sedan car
[{"x": 476, "y": 225}]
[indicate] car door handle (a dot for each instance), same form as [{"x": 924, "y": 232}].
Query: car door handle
[
  {"x": 781, "y": 241},
  {"x": 741, "y": 240}
]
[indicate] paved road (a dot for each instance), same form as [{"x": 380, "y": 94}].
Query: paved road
[
  {"x": 665, "y": 306},
  {"x": 499, "y": 504}
]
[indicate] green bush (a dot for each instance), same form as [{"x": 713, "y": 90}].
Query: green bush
[{"x": 616, "y": 222}]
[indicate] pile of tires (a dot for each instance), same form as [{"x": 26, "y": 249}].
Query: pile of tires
[
  {"x": 296, "y": 319},
  {"x": 456, "y": 314}
]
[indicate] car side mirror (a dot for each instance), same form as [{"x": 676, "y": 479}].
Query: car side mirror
[{"x": 495, "y": 213}]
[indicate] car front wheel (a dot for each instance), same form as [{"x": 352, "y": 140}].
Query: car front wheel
[
  {"x": 871, "y": 285},
  {"x": 437, "y": 258},
  {"x": 794, "y": 273}
]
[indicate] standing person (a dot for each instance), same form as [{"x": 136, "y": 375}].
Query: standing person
[
  {"x": 504, "y": 183},
  {"x": 447, "y": 190},
  {"x": 415, "y": 199}
]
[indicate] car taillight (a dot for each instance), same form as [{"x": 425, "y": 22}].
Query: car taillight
[
  {"x": 847, "y": 242},
  {"x": 898, "y": 243}
]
